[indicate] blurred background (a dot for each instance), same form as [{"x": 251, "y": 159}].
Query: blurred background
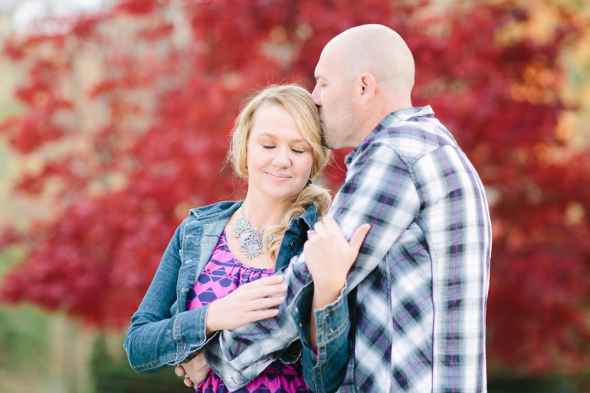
[{"x": 114, "y": 122}]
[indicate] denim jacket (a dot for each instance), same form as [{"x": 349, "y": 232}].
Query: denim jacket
[{"x": 162, "y": 332}]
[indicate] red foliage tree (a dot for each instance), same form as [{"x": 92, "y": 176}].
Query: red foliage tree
[{"x": 172, "y": 77}]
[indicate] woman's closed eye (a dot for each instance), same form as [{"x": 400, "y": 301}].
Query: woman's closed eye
[{"x": 297, "y": 151}]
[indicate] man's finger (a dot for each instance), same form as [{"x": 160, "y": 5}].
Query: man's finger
[
  {"x": 188, "y": 382},
  {"x": 179, "y": 370},
  {"x": 358, "y": 237}
]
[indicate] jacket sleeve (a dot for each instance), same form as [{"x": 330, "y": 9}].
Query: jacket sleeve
[
  {"x": 324, "y": 368},
  {"x": 156, "y": 339}
]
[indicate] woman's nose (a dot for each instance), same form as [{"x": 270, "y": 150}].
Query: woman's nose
[{"x": 282, "y": 159}]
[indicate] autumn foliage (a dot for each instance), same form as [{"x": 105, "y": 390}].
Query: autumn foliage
[{"x": 127, "y": 154}]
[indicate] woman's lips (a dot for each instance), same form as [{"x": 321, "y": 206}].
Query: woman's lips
[{"x": 278, "y": 177}]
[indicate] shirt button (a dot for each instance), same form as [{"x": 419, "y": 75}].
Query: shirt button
[{"x": 293, "y": 245}]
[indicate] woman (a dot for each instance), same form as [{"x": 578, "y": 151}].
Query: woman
[{"x": 216, "y": 272}]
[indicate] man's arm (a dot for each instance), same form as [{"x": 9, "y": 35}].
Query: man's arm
[
  {"x": 457, "y": 222},
  {"x": 379, "y": 190}
]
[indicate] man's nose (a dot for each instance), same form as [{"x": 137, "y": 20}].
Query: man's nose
[{"x": 315, "y": 96}]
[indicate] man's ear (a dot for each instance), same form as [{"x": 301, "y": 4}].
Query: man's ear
[{"x": 369, "y": 85}]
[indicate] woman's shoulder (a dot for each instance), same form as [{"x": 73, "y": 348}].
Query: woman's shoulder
[
  {"x": 213, "y": 212},
  {"x": 216, "y": 214}
]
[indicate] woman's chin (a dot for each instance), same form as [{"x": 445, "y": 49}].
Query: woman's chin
[
  {"x": 277, "y": 191},
  {"x": 282, "y": 194}
]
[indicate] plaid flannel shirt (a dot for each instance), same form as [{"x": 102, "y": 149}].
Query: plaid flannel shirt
[{"x": 421, "y": 278}]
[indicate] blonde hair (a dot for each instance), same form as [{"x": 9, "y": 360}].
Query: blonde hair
[{"x": 300, "y": 105}]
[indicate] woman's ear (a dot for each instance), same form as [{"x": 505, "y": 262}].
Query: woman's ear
[{"x": 369, "y": 85}]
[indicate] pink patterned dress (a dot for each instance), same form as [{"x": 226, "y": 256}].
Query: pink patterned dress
[{"x": 222, "y": 275}]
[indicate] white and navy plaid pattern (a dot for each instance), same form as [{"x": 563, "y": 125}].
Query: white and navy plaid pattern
[{"x": 422, "y": 273}]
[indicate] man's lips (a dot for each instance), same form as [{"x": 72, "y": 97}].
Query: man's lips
[{"x": 278, "y": 177}]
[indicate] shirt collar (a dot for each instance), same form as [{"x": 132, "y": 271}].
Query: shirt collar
[{"x": 389, "y": 122}]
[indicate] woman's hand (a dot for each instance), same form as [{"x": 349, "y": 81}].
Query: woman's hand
[
  {"x": 329, "y": 256},
  {"x": 194, "y": 371},
  {"x": 248, "y": 303}
]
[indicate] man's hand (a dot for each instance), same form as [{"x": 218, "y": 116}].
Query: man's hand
[
  {"x": 194, "y": 371},
  {"x": 329, "y": 257}
]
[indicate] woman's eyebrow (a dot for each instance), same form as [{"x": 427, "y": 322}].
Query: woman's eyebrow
[
  {"x": 266, "y": 134},
  {"x": 298, "y": 140}
]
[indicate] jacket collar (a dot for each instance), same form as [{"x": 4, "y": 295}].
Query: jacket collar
[
  {"x": 224, "y": 210},
  {"x": 217, "y": 211},
  {"x": 309, "y": 217}
]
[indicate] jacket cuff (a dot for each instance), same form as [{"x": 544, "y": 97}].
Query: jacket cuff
[
  {"x": 190, "y": 333},
  {"x": 332, "y": 322},
  {"x": 323, "y": 367}
]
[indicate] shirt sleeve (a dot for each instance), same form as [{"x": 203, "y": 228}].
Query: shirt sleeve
[
  {"x": 238, "y": 356},
  {"x": 379, "y": 190},
  {"x": 456, "y": 222},
  {"x": 156, "y": 339}
]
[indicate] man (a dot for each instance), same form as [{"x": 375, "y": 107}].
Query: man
[{"x": 409, "y": 314}]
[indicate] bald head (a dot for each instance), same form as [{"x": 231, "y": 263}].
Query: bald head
[
  {"x": 363, "y": 75},
  {"x": 379, "y": 51}
]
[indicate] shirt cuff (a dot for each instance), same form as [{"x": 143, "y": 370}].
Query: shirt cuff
[{"x": 215, "y": 359}]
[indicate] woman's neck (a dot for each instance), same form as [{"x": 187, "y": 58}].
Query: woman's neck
[{"x": 263, "y": 212}]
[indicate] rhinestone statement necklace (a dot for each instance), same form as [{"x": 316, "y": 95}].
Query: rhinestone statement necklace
[{"x": 250, "y": 239}]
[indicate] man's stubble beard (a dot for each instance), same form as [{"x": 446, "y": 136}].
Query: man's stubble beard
[
  {"x": 327, "y": 142},
  {"x": 334, "y": 137}
]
